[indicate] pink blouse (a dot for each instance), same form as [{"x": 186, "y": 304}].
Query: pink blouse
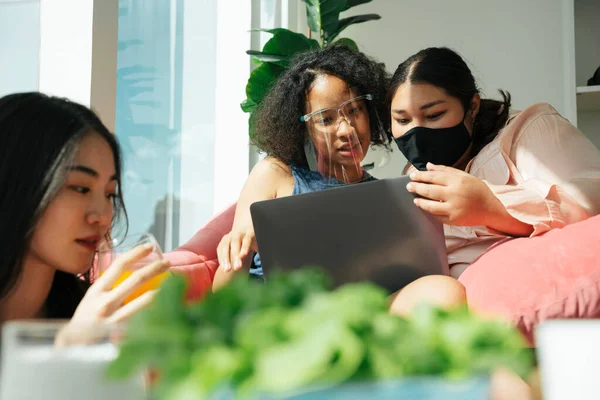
[{"x": 544, "y": 171}]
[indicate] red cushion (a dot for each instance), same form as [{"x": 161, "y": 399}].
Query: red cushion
[
  {"x": 528, "y": 280},
  {"x": 197, "y": 259}
]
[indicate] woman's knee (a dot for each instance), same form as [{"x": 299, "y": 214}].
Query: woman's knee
[{"x": 437, "y": 290}]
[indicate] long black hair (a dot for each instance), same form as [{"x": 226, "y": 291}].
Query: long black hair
[
  {"x": 277, "y": 126},
  {"x": 39, "y": 136},
  {"x": 445, "y": 69}
]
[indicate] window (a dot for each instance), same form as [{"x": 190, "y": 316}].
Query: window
[
  {"x": 181, "y": 74},
  {"x": 19, "y": 55}
]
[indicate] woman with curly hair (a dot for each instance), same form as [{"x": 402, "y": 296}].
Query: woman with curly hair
[{"x": 316, "y": 125}]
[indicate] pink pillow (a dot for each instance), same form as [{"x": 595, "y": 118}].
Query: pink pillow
[
  {"x": 528, "y": 280},
  {"x": 197, "y": 259}
]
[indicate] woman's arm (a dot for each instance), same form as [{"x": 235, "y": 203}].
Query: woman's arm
[
  {"x": 455, "y": 197},
  {"x": 269, "y": 179},
  {"x": 499, "y": 219},
  {"x": 560, "y": 177}
]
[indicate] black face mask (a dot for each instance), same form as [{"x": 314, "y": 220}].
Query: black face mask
[{"x": 443, "y": 146}]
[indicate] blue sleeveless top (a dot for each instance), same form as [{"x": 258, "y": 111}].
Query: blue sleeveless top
[{"x": 305, "y": 181}]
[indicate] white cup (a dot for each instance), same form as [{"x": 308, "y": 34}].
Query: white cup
[
  {"x": 569, "y": 359},
  {"x": 34, "y": 368}
]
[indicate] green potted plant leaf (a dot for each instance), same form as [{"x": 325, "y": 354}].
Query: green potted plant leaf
[
  {"x": 323, "y": 18},
  {"x": 295, "y": 338}
]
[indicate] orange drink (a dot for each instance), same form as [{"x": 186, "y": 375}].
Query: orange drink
[
  {"x": 147, "y": 286},
  {"x": 108, "y": 252}
]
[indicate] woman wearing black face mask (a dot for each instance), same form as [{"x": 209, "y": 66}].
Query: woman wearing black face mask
[{"x": 484, "y": 171}]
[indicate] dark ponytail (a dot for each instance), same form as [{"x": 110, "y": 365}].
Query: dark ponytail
[
  {"x": 492, "y": 117},
  {"x": 444, "y": 68}
]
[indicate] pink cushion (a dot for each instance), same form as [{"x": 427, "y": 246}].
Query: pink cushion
[
  {"x": 528, "y": 280},
  {"x": 197, "y": 259}
]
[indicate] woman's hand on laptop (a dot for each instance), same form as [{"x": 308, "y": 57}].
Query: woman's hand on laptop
[{"x": 235, "y": 247}]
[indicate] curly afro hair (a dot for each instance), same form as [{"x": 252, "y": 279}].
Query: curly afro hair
[{"x": 277, "y": 126}]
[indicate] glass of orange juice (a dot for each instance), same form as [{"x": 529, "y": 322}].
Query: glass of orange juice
[{"x": 109, "y": 250}]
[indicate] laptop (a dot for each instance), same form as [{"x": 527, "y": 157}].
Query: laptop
[{"x": 369, "y": 231}]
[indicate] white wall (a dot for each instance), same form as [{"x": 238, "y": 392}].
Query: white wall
[
  {"x": 514, "y": 45},
  {"x": 78, "y": 53},
  {"x": 498, "y": 39},
  {"x": 197, "y": 116},
  {"x": 231, "y": 123},
  {"x": 47, "y": 46}
]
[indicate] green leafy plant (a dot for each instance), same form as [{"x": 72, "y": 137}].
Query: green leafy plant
[
  {"x": 323, "y": 17},
  {"x": 293, "y": 333}
]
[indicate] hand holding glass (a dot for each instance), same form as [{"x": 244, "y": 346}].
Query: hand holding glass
[{"x": 110, "y": 250}]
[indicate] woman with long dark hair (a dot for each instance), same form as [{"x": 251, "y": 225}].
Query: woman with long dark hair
[
  {"x": 60, "y": 174},
  {"x": 487, "y": 172}
]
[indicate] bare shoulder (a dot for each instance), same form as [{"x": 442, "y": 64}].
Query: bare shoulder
[
  {"x": 271, "y": 168},
  {"x": 270, "y": 177}
]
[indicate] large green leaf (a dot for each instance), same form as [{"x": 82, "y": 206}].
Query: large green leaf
[
  {"x": 260, "y": 82},
  {"x": 282, "y": 46},
  {"x": 346, "y": 22},
  {"x": 348, "y": 42},
  {"x": 248, "y": 105},
  {"x": 274, "y": 58},
  {"x": 323, "y": 15},
  {"x": 353, "y": 3},
  {"x": 288, "y": 43},
  {"x": 251, "y": 124}
]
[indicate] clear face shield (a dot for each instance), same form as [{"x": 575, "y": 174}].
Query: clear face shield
[{"x": 339, "y": 136}]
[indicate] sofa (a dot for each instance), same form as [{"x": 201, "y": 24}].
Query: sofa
[
  {"x": 524, "y": 280},
  {"x": 197, "y": 258}
]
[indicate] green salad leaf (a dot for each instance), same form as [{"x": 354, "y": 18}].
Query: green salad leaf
[{"x": 293, "y": 333}]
